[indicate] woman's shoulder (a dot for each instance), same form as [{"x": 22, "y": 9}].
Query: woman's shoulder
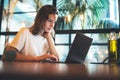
[{"x": 25, "y": 29}]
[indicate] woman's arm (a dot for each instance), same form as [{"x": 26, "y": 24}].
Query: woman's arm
[
  {"x": 12, "y": 54},
  {"x": 51, "y": 44},
  {"x": 9, "y": 53}
]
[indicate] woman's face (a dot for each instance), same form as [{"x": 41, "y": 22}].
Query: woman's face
[{"x": 50, "y": 22}]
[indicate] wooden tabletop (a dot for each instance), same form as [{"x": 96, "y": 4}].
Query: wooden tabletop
[{"x": 58, "y": 71}]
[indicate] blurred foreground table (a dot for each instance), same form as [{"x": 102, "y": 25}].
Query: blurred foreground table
[{"x": 58, "y": 71}]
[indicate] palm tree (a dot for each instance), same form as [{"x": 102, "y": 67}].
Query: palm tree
[{"x": 92, "y": 12}]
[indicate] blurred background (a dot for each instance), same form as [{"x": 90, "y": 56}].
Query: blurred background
[{"x": 94, "y": 18}]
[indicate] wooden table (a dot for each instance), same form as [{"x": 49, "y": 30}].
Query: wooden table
[{"x": 58, "y": 71}]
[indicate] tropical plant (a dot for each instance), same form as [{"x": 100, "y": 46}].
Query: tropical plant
[{"x": 93, "y": 11}]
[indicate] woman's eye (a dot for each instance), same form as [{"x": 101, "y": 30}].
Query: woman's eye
[{"x": 49, "y": 20}]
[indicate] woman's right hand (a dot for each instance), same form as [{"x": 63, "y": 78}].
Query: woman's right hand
[{"x": 47, "y": 57}]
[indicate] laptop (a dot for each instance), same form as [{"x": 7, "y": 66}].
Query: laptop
[{"x": 79, "y": 49}]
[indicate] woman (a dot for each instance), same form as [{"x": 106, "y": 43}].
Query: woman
[{"x": 35, "y": 43}]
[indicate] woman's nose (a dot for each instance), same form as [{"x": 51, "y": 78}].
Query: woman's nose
[{"x": 52, "y": 24}]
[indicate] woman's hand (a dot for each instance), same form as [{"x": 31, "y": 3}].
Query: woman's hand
[
  {"x": 47, "y": 35},
  {"x": 52, "y": 57},
  {"x": 47, "y": 57}
]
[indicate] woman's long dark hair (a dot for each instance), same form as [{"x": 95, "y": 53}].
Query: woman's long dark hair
[{"x": 41, "y": 17}]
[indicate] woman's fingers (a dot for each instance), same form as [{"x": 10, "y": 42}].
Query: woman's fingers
[{"x": 52, "y": 57}]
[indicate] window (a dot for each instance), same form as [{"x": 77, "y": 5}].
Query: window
[{"x": 94, "y": 18}]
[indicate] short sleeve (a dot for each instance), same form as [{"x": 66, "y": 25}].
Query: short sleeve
[{"x": 19, "y": 40}]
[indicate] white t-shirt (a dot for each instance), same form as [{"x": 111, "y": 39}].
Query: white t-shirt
[{"x": 29, "y": 44}]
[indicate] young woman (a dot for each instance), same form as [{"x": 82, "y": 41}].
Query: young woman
[{"x": 35, "y": 43}]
